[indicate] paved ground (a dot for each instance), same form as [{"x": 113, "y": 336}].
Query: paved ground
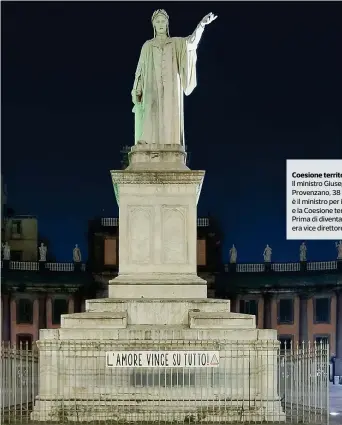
[{"x": 336, "y": 404}]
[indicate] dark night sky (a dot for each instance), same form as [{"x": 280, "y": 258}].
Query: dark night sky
[{"x": 269, "y": 88}]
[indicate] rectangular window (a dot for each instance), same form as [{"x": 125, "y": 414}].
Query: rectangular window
[
  {"x": 16, "y": 227},
  {"x": 110, "y": 252},
  {"x": 201, "y": 252},
  {"x": 17, "y": 255},
  {"x": 24, "y": 341},
  {"x": 59, "y": 306},
  {"x": 285, "y": 341},
  {"x": 249, "y": 307},
  {"x": 322, "y": 310},
  {"x": 322, "y": 339},
  {"x": 285, "y": 311},
  {"x": 24, "y": 311}
]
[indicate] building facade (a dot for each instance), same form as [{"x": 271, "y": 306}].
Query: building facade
[
  {"x": 34, "y": 295},
  {"x": 21, "y": 233},
  {"x": 302, "y": 301}
]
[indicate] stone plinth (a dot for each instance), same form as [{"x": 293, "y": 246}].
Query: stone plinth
[
  {"x": 157, "y": 157},
  {"x": 158, "y": 234},
  {"x": 157, "y": 302},
  {"x": 73, "y": 364},
  {"x": 171, "y": 312}
]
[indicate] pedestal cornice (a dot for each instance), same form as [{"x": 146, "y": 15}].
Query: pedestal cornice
[{"x": 158, "y": 179}]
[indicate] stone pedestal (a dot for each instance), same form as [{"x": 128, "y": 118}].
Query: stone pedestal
[
  {"x": 75, "y": 383},
  {"x": 77, "y": 266},
  {"x": 157, "y": 302},
  {"x": 157, "y": 227}
]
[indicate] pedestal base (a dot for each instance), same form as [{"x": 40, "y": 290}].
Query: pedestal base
[
  {"x": 158, "y": 285},
  {"x": 157, "y": 196},
  {"x": 156, "y": 411},
  {"x": 76, "y": 384}
]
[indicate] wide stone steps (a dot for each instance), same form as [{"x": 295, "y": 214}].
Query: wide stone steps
[
  {"x": 220, "y": 320},
  {"x": 191, "y": 314},
  {"x": 105, "y": 320},
  {"x": 166, "y": 312}
]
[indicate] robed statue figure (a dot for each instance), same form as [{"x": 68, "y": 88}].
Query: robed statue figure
[{"x": 166, "y": 69}]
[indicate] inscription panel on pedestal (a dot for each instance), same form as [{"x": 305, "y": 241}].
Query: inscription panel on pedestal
[
  {"x": 174, "y": 234},
  {"x": 140, "y": 234}
]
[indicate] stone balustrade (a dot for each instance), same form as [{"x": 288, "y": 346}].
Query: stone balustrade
[
  {"x": 35, "y": 266},
  {"x": 114, "y": 222},
  {"x": 281, "y": 267},
  {"x": 239, "y": 267}
]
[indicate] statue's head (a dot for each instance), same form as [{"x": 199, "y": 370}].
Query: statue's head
[{"x": 160, "y": 22}]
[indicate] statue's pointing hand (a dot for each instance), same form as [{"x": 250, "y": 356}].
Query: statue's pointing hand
[{"x": 208, "y": 19}]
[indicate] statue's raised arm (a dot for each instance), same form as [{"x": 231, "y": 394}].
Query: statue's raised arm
[
  {"x": 166, "y": 69},
  {"x": 197, "y": 34}
]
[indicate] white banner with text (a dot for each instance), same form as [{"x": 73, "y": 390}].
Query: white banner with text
[{"x": 162, "y": 359}]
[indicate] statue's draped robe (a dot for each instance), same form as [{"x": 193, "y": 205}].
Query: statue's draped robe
[{"x": 162, "y": 75}]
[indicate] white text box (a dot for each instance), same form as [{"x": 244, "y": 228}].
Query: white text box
[
  {"x": 162, "y": 359},
  {"x": 313, "y": 199}
]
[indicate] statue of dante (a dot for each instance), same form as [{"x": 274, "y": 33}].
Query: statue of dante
[{"x": 166, "y": 69}]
